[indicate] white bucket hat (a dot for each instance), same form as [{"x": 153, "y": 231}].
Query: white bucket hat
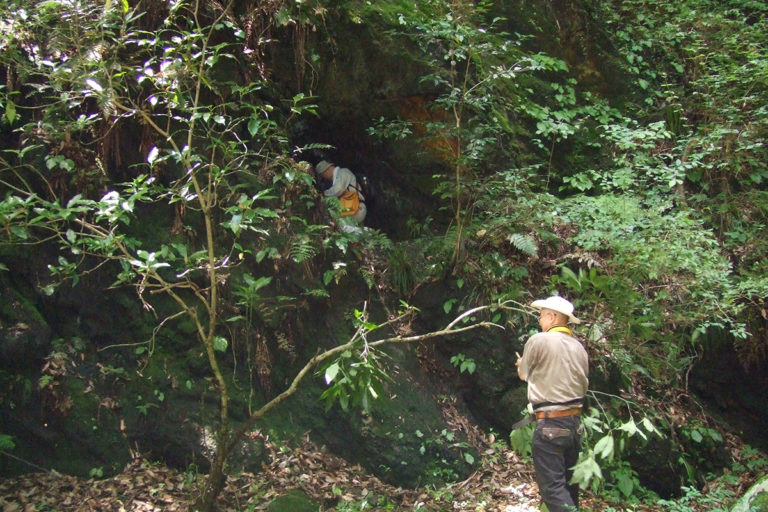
[
  {"x": 322, "y": 166},
  {"x": 559, "y": 304}
]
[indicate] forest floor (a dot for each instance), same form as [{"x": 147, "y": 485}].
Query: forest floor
[
  {"x": 502, "y": 484},
  {"x": 306, "y": 474}
]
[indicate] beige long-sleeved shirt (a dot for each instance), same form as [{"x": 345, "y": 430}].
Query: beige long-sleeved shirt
[
  {"x": 556, "y": 367},
  {"x": 343, "y": 180}
]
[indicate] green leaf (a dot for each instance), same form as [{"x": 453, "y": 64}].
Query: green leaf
[
  {"x": 220, "y": 343},
  {"x": 10, "y": 111},
  {"x": 20, "y": 232},
  {"x": 469, "y": 458},
  {"x": 93, "y": 84},
  {"x": 524, "y": 243},
  {"x": 6, "y": 442},
  {"x": 520, "y": 440},
  {"x": 76, "y": 199},
  {"x": 629, "y": 427},
  {"x": 696, "y": 436},
  {"x": 331, "y": 372},
  {"x": 236, "y": 223},
  {"x": 625, "y": 484},
  {"x": 585, "y": 471},
  {"x": 604, "y": 447},
  {"x": 253, "y": 126},
  {"x": 153, "y": 154},
  {"x": 44, "y": 381},
  {"x": 649, "y": 426}
]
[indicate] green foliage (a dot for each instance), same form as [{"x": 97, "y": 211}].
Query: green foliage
[
  {"x": 669, "y": 261},
  {"x": 480, "y": 78},
  {"x": 6, "y": 442},
  {"x": 607, "y": 437},
  {"x": 353, "y": 382},
  {"x": 716, "y": 500},
  {"x": 697, "y": 131},
  {"x": 433, "y": 446},
  {"x": 464, "y": 363},
  {"x": 144, "y": 406},
  {"x": 520, "y": 440},
  {"x": 700, "y": 434},
  {"x": 357, "y": 376},
  {"x": 401, "y": 271},
  {"x": 750, "y": 460},
  {"x": 524, "y": 244}
]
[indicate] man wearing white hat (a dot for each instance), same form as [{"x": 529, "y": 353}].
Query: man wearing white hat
[{"x": 556, "y": 367}]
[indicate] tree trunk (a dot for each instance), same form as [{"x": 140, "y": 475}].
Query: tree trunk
[{"x": 213, "y": 485}]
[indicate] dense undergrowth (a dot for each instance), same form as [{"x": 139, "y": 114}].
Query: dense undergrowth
[{"x": 154, "y": 147}]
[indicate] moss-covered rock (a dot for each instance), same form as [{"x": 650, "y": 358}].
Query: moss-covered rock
[
  {"x": 24, "y": 332},
  {"x": 293, "y": 501},
  {"x": 755, "y": 499}
]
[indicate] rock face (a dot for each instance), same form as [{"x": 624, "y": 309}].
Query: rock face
[
  {"x": 24, "y": 333},
  {"x": 734, "y": 392},
  {"x": 85, "y": 405}
]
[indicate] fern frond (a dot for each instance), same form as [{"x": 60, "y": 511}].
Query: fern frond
[
  {"x": 317, "y": 292},
  {"x": 302, "y": 249},
  {"x": 524, "y": 243}
]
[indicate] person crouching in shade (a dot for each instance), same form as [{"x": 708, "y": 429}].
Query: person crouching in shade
[{"x": 344, "y": 186}]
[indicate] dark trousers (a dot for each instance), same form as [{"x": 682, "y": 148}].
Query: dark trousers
[{"x": 555, "y": 451}]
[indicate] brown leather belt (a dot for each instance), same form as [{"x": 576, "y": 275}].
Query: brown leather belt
[{"x": 558, "y": 414}]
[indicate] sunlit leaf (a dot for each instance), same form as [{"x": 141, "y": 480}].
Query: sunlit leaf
[
  {"x": 153, "y": 154},
  {"x": 604, "y": 447},
  {"x": 331, "y": 372},
  {"x": 93, "y": 84},
  {"x": 10, "y": 111},
  {"x": 220, "y": 343}
]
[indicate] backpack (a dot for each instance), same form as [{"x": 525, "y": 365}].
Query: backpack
[{"x": 350, "y": 202}]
